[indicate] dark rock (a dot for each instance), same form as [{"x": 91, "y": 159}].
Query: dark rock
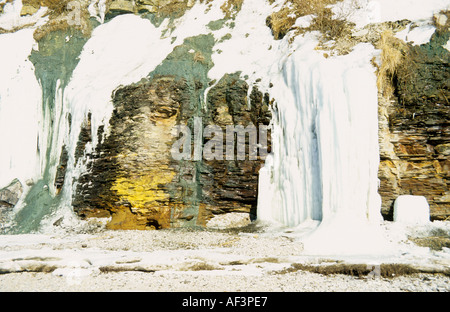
[{"x": 132, "y": 175}]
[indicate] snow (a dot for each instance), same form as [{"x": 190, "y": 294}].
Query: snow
[
  {"x": 77, "y": 256},
  {"x": 304, "y": 21},
  {"x": 411, "y": 209},
  {"x": 97, "y": 9},
  {"x": 418, "y": 35},
  {"x": 11, "y": 19},
  {"x": 251, "y": 47},
  {"x": 447, "y": 46},
  {"x": 412, "y": 10},
  {"x": 364, "y": 12},
  {"x": 120, "y": 52}
]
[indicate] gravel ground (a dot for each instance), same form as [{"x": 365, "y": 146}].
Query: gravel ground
[
  {"x": 189, "y": 261},
  {"x": 171, "y": 282}
]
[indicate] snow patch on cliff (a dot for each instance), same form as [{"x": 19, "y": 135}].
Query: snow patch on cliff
[{"x": 20, "y": 95}]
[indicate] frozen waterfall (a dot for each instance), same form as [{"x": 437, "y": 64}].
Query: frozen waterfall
[
  {"x": 20, "y": 95},
  {"x": 322, "y": 175}
]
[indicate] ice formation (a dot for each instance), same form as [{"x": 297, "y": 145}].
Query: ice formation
[
  {"x": 325, "y": 147},
  {"x": 20, "y": 95},
  {"x": 409, "y": 209}
]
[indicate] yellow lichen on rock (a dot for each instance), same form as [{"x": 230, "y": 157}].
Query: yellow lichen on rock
[{"x": 143, "y": 190}]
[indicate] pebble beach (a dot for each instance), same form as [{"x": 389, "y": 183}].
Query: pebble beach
[{"x": 203, "y": 261}]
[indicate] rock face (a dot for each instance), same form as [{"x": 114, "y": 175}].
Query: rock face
[
  {"x": 9, "y": 197},
  {"x": 414, "y": 147},
  {"x": 163, "y": 8},
  {"x": 133, "y": 176}
]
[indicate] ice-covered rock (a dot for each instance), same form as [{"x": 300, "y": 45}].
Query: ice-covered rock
[
  {"x": 229, "y": 220},
  {"x": 10, "y": 195},
  {"x": 411, "y": 209}
]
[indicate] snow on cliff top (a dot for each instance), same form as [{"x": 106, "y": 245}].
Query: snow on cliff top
[{"x": 364, "y": 12}]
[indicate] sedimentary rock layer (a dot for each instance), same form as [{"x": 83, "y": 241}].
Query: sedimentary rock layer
[
  {"x": 415, "y": 149},
  {"x": 133, "y": 176}
]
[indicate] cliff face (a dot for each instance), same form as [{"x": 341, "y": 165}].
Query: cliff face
[
  {"x": 133, "y": 175},
  {"x": 415, "y": 142}
]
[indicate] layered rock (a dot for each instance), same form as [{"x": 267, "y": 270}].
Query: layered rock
[
  {"x": 54, "y": 63},
  {"x": 415, "y": 135},
  {"x": 130, "y": 172},
  {"x": 161, "y": 8},
  {"x": 133, "y": 176}
]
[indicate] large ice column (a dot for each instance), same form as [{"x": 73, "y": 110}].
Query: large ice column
[
  {"x": 293, "y": 195},
  {"x": 325, "y": 149},
  {"x": 347, "y": 136},
  {"x": 20, "y": 105}
]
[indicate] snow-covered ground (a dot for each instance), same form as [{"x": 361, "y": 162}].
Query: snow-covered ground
[{"x": 183, "y": 260}]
